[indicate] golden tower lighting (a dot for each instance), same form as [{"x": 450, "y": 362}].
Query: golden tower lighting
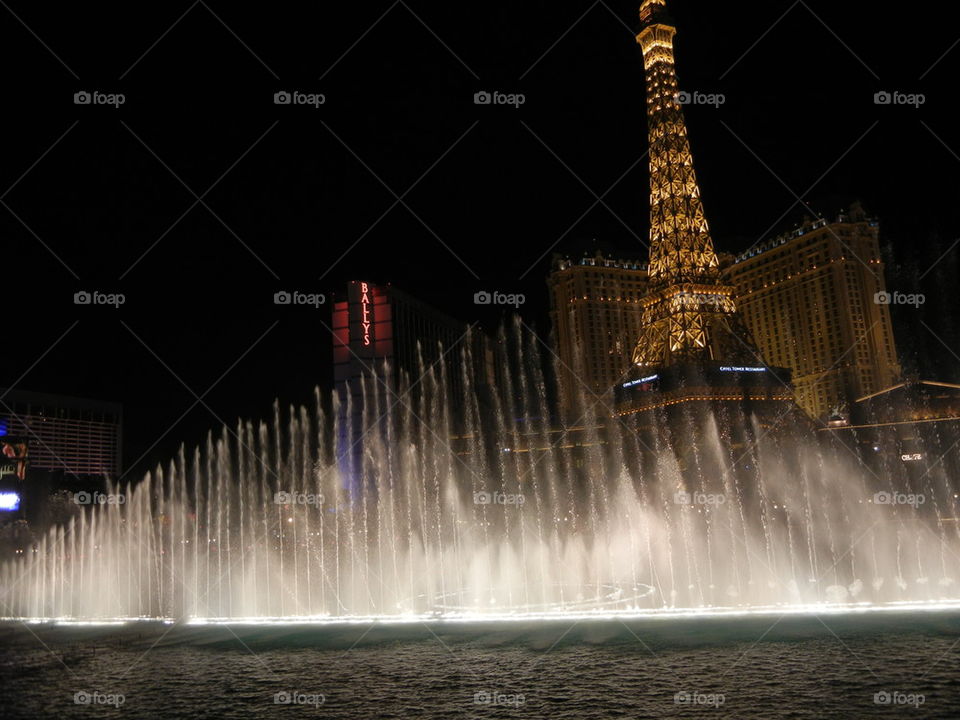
[
  {"x": 689, "y": 314},
  {"x": 693, "y": 346}
]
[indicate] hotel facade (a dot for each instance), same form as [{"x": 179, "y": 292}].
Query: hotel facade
[{"x": 812, "y": 300}]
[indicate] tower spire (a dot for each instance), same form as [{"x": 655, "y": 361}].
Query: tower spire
[
  {"x": 681, "y": 248},
  {"x": 688, "y": 314}
]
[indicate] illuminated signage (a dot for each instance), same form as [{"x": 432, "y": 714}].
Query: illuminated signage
[
  {"x": 366, "y": 311},
  {"x": 911, "y": 457},
  {"x": 9, "y": 501},
  {"x": 13, "y": 457},
  {"x": 740, "y": 368},
  {"x": 650, "y": 378}
]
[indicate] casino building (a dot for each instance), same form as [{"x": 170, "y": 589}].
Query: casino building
[
  {"x": 813, "y": 301},
  {"x": 595, "y": 314},
  {"x": 379, "y": 329},
  {"x": 389, "y": 340},
  {"x": 49, "y": 440},
  {"x": 75, "y": 436}
]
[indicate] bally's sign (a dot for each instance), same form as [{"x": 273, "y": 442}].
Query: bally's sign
[{"x": 362, "y": 318}]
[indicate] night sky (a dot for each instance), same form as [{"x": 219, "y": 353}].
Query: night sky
[{"x": 299, "y": 198}]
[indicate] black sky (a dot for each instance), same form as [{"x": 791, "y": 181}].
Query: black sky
[{"x": 496, "y": 189}]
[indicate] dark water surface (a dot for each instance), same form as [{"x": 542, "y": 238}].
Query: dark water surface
[{"x": 849, "y": 666}]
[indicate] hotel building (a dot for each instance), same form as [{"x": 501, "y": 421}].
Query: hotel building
[
  {"x": 594, "y": 309},
  {"x": 74, "y": 436},
  {"x": 812, "y": 300},
  {"x": 383, "y": 329}
]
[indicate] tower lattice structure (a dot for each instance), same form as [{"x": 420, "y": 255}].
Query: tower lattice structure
[{"x": 689, "y": 315}]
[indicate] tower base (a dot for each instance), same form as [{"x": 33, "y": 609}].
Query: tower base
[
  {"x": 690, "y": 407},
  {"x": 712, "y": 383}
]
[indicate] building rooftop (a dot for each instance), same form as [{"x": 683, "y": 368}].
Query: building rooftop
[
  {"x": 69, "y": 402},
  {"x": 597, "y": 260},
  {"x": 855, "y": 215}
]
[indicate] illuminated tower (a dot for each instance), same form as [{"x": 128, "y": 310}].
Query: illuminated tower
[
  {"x": 686, "y": 313},
  {"x": 693, "y": 345}
]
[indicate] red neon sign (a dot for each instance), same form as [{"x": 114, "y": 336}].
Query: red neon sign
[{"x": 365, "y": 311}]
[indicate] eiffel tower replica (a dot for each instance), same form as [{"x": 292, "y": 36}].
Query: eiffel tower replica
[{"x": 694, "y": 356}]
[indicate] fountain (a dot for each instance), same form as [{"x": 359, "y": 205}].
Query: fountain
[{"x": 448, "y": 507}]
